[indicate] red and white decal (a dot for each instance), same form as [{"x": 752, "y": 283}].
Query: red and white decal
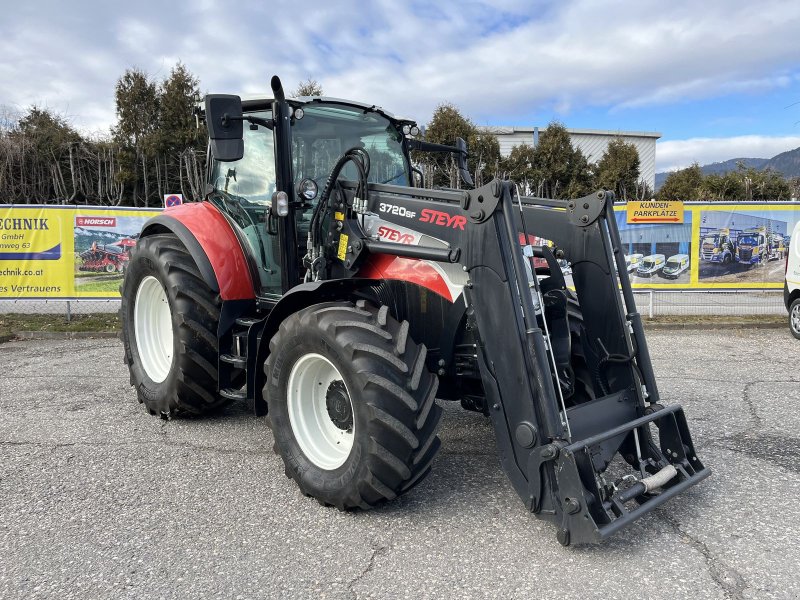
[
  {"x": 95, "y": 221},
  {"x": 438, "y": 217},
  {"x": 389, "y": 234}
]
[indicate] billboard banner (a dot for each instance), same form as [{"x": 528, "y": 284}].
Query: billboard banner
[
  {"x": 66, "y": 251},
  {"x": 82, "y": 252},
  {"x": 713, "y": 246}
]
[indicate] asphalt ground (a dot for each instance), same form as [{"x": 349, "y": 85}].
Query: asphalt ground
[{"x": 100, "y": 500}]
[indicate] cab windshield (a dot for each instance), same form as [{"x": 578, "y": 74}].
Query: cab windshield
[
  {"x": 328, "y": 130},
  {"x": 749, "y": 240},
  {"x": 711, "y": 239},
  {"x": 673, "y": 264},
  {"x": 648, "y": 264}
]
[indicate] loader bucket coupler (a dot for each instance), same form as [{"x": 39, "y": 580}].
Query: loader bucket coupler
[{"x": 591, "y": 512}]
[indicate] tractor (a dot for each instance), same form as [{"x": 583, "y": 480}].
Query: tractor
[{"x": 325, "y": 285}]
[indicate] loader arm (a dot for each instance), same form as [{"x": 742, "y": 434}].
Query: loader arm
[{"x": 558, "y": 458}]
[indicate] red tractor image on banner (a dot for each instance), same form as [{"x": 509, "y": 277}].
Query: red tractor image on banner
[{"x": 108, "y": 258}]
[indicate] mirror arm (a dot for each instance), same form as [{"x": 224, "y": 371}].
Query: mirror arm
[{"x": 268, "y": 123}]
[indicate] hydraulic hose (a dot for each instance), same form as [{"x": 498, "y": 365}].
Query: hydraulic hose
[{"x": 648, "y": 484}]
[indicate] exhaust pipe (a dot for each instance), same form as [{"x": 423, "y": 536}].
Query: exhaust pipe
[{"x": 277, "y": 88}]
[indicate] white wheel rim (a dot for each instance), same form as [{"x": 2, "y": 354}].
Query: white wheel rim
[
  {"x": 796, "y": 318},
  {"x": 152, "y": 324},
  {"x": 320, "y": 439}
]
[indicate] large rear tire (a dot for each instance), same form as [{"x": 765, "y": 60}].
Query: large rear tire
[
  {"x": 351, "y": 404},
  {"x": 169, "y": 329}
]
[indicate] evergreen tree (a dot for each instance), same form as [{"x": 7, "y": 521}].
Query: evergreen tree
[
  {"x": 618, "y": 169},
  {"x": 682, "y": 185}
]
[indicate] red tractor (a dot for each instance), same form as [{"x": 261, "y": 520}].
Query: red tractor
[
  {"x": 323, "y": 284},
  {"x": 108, "y": 258}
]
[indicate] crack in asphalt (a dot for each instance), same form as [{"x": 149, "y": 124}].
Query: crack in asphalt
[
  {"x": 728, "y": 579},
  {"x": 779, "y": 451},
  {"x": 748, "y": 401},
  {"x": 377, "y": 550}
]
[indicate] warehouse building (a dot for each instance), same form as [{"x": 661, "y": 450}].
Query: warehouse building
[
  {"x": 592, "y": 142},
  {"x": 666, "y": 239}
]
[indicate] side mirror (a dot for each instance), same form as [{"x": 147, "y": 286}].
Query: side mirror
[
  {"x": 461, "y": 156},
  {"x": 224, "y": 120}
]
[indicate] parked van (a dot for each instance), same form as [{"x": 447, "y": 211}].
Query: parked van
[
  {"x": 650, "y": 265},
  {"x": 674, "y": 266},
  {"x": 632, "y": 261},
  {"x": 791, "y": 288}
]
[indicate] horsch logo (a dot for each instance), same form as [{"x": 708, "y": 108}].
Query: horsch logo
[{"x": 96, "y": 221}]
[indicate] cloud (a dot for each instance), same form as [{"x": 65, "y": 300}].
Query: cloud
[
  {"x": 677, "y": 154},
  {"x": 495, "y": 59}
]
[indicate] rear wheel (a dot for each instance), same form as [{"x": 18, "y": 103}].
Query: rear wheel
[
  {"x": 169, "y": 329},
  {"x": 351, "y": 404},
  {"x": 794, "y": 318}
]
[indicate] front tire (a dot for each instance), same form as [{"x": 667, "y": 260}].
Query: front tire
[
  {"x": 169, "y": 329},
  {"x": 351, "y": 404},
  {"x": 794, "y": 318}
]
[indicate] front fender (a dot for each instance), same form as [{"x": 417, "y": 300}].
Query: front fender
[
  {"x": 214, "y": 246},
  {"x": 297, "y": 298}
]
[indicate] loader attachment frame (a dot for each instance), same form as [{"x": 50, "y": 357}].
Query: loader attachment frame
[{"x": 558, "y": 457}]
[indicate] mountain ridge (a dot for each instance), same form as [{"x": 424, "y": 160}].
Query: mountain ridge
[{"x": 787, "y": 163}]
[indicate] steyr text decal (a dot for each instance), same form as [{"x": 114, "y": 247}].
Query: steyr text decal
[
  {"x": 397, "y": 210},
  {"x": 387, "y": 233},
  {"x": 437, "y": 217}
]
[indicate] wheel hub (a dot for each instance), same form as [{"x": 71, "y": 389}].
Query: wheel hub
[
  {"x": 796, "y": 318},
  {"x": 338, "y": 404}
]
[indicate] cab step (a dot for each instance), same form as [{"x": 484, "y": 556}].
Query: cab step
[
  {"x": 236, "y": 361},
  {"x": 232, "y": 394}
]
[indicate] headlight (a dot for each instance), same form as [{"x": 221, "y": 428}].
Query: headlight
[{"x": 307, "y": 189}]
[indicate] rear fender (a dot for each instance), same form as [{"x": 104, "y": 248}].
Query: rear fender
[{"x": 214, "y": 246}]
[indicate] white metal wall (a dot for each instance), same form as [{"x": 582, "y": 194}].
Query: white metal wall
[{"x": 592, "y": 143}]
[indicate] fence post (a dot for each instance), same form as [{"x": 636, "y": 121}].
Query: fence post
[
  {"x": 650, "y": 311},
  {"x": 69, "y": 312}
]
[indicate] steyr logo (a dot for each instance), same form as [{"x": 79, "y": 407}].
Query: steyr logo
[
  {"x": 393, "y": 235},
  {"x": 437, "y": 217}
]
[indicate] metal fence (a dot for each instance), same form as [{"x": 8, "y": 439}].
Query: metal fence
[
  {"x": 650, "y": 304},
  {"x": 730, "y": 303}
]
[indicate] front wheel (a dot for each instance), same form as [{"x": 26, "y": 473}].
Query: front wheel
[
  {"x": 169, "y": 329},
  {"x": 351, "y": 404},
  {"x": 794, "y": 318}
]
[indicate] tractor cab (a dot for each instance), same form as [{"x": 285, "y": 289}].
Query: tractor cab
[{"x": 301, "y": 149}]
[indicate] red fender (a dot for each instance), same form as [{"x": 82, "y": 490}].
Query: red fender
[
  {"x": 212, "y": 243},
  {"x": 413, "y": 270}
]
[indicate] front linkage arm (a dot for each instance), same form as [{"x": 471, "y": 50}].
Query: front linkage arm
[{"x": 555, "y": 456}]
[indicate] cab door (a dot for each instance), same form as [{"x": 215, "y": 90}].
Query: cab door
[{"x": 243, "y": 190}]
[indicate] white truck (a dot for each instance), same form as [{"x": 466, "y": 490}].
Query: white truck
[{"x": 791, "y": 289}]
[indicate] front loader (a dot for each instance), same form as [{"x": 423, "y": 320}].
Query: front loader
[{"x": 324, "y": 285}]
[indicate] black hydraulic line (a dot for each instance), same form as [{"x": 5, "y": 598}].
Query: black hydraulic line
[
  {"x": 360, "y": 158},
  {"x": 543, "y": 386},
  {"x": 644, "y": 363},
  {"x": 422, "y": 252}
]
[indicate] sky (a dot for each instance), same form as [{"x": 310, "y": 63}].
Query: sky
[{"x": 718, "y": 79}]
